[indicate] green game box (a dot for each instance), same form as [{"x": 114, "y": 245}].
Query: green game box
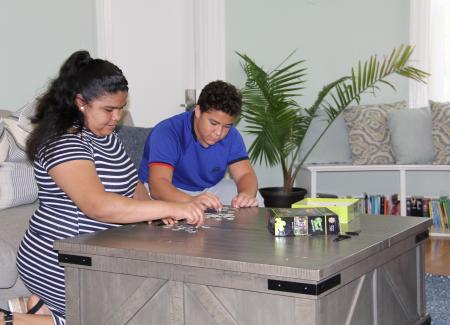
[{"x": 346, "y": 209}]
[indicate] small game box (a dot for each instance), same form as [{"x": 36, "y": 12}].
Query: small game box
[
  {"x": 346, "y": 209},
  {"x": 302, "y": 221}
]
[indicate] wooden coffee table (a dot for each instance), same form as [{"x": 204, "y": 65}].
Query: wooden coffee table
[{"x": 236, "y": 272}]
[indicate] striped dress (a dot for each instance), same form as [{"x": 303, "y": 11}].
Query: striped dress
[{"x": 57, "y": 217}]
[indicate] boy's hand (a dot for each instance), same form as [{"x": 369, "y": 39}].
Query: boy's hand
[{"x": 243, "y": 200}]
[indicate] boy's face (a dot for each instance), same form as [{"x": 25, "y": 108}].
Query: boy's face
[{"x": 212, "y": 126}]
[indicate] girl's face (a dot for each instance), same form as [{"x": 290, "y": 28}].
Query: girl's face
[{"x": 101, "y": 115}]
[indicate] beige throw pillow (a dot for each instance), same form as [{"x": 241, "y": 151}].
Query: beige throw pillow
[
  {"x": 369, "y": 133},
  {"x": 440, "y": 116}
]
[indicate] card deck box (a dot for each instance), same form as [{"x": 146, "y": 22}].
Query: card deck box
[
  {"x": 332, "y": 224},
  {"x": 346, "y": 209},
  {"x": 316, "y": 225},
  {"x": 284, "y": 222}
]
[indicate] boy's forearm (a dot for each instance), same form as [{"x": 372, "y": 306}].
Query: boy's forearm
[
  {"x": 166, "y": 191},
  {"x": 248, "y": 184}
]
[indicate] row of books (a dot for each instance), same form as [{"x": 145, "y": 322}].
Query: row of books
[
  {"x": 435, "y": 208},
  {"x": 381, "y": 204}
]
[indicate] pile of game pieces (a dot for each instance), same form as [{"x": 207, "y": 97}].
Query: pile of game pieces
[
  {"x": 226, "y": 213},
  {"x": 185, "y": 227}
]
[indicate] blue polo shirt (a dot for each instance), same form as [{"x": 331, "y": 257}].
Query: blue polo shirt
[{"x": 173, "y": 142}]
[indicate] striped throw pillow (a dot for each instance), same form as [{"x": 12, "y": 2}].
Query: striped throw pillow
[{"x": 17, "y": 184}]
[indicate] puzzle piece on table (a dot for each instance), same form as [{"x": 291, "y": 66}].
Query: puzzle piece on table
[
  {"x": 226, "y": 213},
  {"x": 187, "y": 228}
]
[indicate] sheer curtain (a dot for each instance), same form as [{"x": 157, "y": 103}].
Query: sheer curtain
[{"x": 430, "y": 33}]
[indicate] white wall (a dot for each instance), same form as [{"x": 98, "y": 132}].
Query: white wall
[
  {"x": 153, "y": 43},
  {"x": 163, "y": 48},
  {"x": 36, "y": 37},
  {"x": 331, "y": 35}
]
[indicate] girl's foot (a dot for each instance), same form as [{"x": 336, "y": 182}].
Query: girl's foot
[{"x": 36, "y": 306}]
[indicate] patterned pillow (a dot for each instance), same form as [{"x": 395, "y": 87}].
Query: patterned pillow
[
  {"x": 440, "y": 115},
  {"x": 369, "y": 133}
]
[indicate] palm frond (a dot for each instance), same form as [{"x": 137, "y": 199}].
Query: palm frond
[{"x": 279, "y": 123}]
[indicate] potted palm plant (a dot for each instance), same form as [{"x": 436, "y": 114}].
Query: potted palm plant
[{"x": 279, "y": 123}]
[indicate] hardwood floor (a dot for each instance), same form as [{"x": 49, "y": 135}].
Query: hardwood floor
[{"x": 437, "y": 255}]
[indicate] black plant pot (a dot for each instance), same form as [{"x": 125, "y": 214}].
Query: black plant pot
[{"x": 274, "y": 197}]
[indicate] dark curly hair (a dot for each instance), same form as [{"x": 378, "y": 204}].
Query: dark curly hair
[
  {"x": 222, "y": 96},
  {"x": 56, "y": 111}
]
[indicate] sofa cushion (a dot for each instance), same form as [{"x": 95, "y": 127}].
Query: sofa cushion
[
  {"x": 369, "y": 133},
  {"x": 411, "y": 137},
  {"x": 14, "y": 223},
  {"x": 440, "y": 114},
  {"x": 335, "y": 137},
  {"x": 133, "y": 139},
  {"x": 8, "y": 268}
]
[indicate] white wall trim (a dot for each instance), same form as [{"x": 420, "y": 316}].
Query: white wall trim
[
  {"x": 209, "y": 41},
  {"x": 419, "y": 37},
  {"x": 103, "y": 14}
]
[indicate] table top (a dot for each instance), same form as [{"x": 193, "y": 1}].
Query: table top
[{"x": 245, "y": 245}]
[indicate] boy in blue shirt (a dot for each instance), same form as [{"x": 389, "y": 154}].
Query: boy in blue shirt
[{"x": 186, "y": 156}]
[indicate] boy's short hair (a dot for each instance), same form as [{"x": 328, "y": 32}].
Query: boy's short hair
[{"x": 222, "y": 96}]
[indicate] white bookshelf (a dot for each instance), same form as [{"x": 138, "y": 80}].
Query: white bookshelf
[{"x": 310, "y": 178}]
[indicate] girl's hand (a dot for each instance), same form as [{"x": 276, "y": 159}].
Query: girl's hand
[{"x": 192, "y": 212}]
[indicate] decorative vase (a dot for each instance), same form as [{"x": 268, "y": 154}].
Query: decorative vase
[{"x": 275, "y": 197}]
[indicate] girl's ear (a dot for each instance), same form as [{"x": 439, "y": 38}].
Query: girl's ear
[{"x": 79, "y": 101}]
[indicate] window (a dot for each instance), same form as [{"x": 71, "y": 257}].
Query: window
[{"x": 430, "y": 33}]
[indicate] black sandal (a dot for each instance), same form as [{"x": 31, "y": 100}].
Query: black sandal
[
  {"x": 7, "y": 316},
  {"x": 36, "y": 307}
]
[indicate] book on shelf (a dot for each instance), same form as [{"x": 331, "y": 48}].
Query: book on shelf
[
  {"x": 437, "y": 209},
  {"x": 425, "y": 210},
  {"x": 381, "y": 204},
  {"x": 444, "y": 201},
  {"x": 414, "y": 206},
  {"x": 438, "y": 212},
  {"x": 395, "y": 205},
  {"x": 434, "y": 214}
]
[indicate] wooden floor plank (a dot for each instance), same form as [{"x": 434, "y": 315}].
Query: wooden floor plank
[{"x": 437, "y": 256}]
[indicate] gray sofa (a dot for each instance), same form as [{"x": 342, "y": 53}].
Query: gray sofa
[{"x": 15, "y": 222}]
